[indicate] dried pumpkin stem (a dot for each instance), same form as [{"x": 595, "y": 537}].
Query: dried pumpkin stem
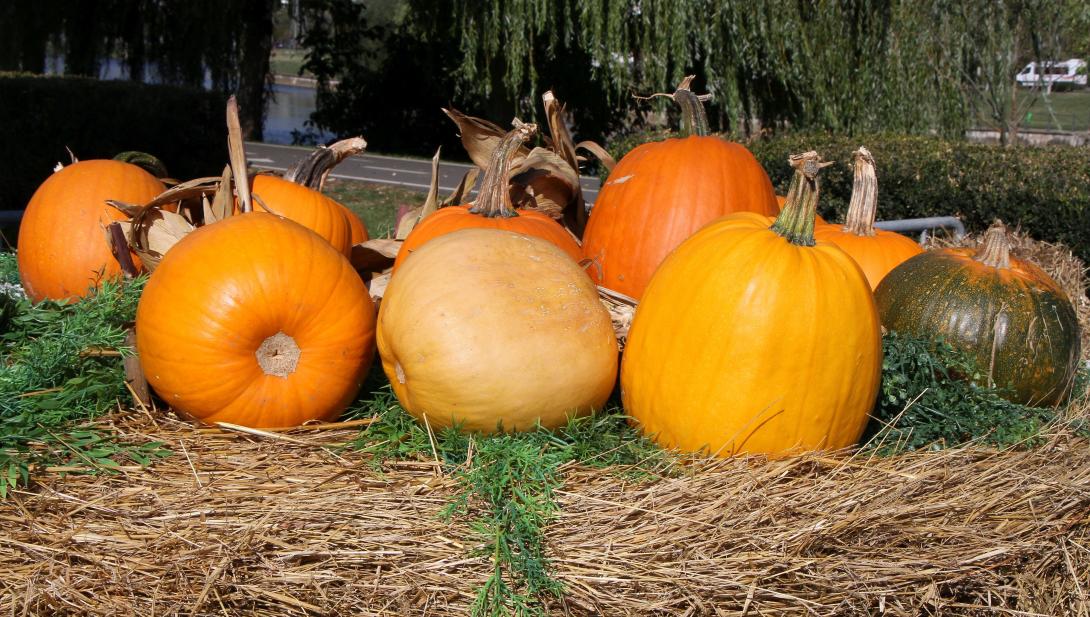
[
  {"x": 796, "y": 222},
  {"x": 313, "y": 169},
  {"x": 863, "y": 207},
  {"x": 495, "y": 197},
  {"x": 278, "y": 355},
  {"x": 996, "y": 250},
  {"x": 693, "y": 119}
]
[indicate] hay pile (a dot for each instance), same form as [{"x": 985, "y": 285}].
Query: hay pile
[{"x": 239, "y": 524}]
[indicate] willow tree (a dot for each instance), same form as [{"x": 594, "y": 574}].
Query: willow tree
[{"x": 844, "y": 66}]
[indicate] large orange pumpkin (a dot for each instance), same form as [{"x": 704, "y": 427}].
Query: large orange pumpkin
[
  {"x": 63, "y": 251},
  {"x": 305, "y": 206},
  {"x": 488, "y": 329},
  {"x": 877, "y": 251},
  {"x": 752, "y": 338},
  {"x": 279, "y": 333},
  {"x": 662, "y": 192},
  {"x": 493, "y": 207}
]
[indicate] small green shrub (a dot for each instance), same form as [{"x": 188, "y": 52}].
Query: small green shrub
[
  {"x": 42, "y": 116},
  {"x": 925, "y": 401}
]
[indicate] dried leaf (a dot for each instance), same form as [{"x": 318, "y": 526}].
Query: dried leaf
[
  {"x": 156, "y": 232},
  {"x": 461, "y": 191},
  {"x": 599, "y": 153},
  {"x": 408, "y": 221},
  {"x": 375, "y": 255},
  {"x": 237, "y": 152},
  {"x": 562, "y": 142},
  {"x": 223, "y": 205},
  {"x": 549, "y": 183},
  {"x": 479, "y": 137},
  {"x": 129, "y": 210}
]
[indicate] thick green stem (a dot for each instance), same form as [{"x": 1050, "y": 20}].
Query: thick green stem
[
  {"x": 495, "y": 197},
  {"x": 796, "y": 221},
  {"x": 996, "y": 250},
  {"x": 863, "y": 207}
]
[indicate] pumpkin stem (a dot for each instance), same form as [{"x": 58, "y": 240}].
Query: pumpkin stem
[
  {"x": 796, "y": 221},
  {"x": 148, "y": 162},
  {"x": 693, "y": 119},
  {"x": 996, "y": 250},
  {"x": 495, "y": 197},
  {"x": 278, "y": 355},
  {"x": 864, "y": 204},
  {"x": 312, "y": 170}
]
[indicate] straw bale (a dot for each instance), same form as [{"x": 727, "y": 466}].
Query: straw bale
[{"x": 251, "y": 524}]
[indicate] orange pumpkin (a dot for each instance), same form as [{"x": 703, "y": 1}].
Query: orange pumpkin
[
  {"x": 305, "y": 206},
  {"x": 658, "y": 195},
  {"x": 357, "y": 230},
  {"x": 752, "y": 338},
  {"x": 493, "y": 208},
  {"x": 63, "y": 251},
  {"x": 279, "y": 334},
  {"x": 877, "y": 251}
]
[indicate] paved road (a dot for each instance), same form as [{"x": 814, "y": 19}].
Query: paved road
[{"x": 406, "y": 172}]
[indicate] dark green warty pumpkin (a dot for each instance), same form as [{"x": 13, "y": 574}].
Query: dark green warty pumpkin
[{"x": 1007, "y": 314}]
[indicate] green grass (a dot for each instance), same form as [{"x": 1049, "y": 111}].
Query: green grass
[
  {"x": 1071, "y": 109},
  {"x": 50, "y": 388},
  {"x": 288, "y": 62},
  {"x": 376, "y": 204},
  {"x": 507, "y": 487}
]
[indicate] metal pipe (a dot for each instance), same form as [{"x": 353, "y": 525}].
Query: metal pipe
[{"x": 924, "y": 225}]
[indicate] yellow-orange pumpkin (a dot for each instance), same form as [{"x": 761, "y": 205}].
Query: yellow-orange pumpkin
[
  {"x": 493, "y": 208},
  {"x": 280, "y": 333},
  {"x": 63, "y": 251},
  {"x": 751, "y": 338},
  {"x": 490, "y": 329},
  {"x": 305, "y": 206},
  {"x": 877, "y": 251}
]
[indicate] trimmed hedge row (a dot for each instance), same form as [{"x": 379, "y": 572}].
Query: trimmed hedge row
[
  {"x": 98, "y": 119},
  {"x": 1045, "y": 190}
]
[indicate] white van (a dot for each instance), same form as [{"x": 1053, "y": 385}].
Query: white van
[{"x": 1053, "y": 74}]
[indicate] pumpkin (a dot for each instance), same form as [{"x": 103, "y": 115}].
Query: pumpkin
[
  {"x": 1009, "y": 316},
  {"x": 493, "y": 208},
  {"x": 752, "y": 338},
  {"x": 662, "y": 192},
  {"x": 256, "y": 321},
  {"x": 493, "y": 330},
  {"x": 305, "y": 206},
  {"x": 63, "y": 251},
  {"x": 877, "y": 251},
  {"x": 357, "y": 231}
]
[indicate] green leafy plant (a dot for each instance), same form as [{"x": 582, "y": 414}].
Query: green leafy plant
[
  {"x": 60, "y": 367},
  {"x": 508, "y": 486},
  {"x": 926, "y": 401}
]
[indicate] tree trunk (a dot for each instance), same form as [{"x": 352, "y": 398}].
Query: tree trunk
[{"x": 255, "y": 42}]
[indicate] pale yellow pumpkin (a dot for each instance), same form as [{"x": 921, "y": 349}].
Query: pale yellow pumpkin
[{"x": 495, "y": 330}]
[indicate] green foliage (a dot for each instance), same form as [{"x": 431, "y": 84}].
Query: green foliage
[
  {"x": 508, "y": 485},
  {"x": 926, "y": 401},
  {"x": 98, "y": 119},
  {"x": 50, "y": 387}
]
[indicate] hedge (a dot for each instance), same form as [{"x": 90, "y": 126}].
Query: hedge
[
  {"x": 98, "y": 119},
  {"x": 1045, "y": 190}
]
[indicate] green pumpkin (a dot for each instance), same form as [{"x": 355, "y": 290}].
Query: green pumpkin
[{"x": 1007, "y": 314}]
